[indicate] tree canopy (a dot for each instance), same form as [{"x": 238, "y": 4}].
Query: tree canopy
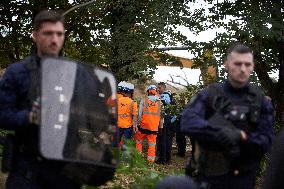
[
  {"x": 113, "y": 34},
  {"x": 259, "y": 24},
  {"x": 121, "y": 35}
]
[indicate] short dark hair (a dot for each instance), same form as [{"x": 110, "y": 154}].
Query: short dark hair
[
  {"x": 239, "y": 48},
  {"x": 47, "y": 16},
  {"x": 162, "y": 84}
]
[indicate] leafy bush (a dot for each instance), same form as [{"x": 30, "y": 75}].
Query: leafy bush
[
  {"x": 181, "y": 100},
  {"x": 135, "y": 172}
]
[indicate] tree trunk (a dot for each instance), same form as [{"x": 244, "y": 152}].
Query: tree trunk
[
  {"x": 274, "y": 90},
  {"x": 277, "y": 18}
]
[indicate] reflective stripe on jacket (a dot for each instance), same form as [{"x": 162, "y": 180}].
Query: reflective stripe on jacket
[{"x": 127, "y": 108}]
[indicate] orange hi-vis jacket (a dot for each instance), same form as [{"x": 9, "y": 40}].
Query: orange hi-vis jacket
[
  {"x": 119, "y": 95},
  {"x": 127, "y": 109},
  {"x": 151, "y": 115}
]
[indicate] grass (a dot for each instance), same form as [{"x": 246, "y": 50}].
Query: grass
[{"x": 135, "y": 172}]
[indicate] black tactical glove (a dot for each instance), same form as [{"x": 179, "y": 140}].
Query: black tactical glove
[{"x": 228, "y": 137}]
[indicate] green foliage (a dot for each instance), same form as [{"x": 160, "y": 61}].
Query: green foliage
[
  {"x": 115, "y": 34},
  {"x": 257, "y": 24},
  {"x": 181, "y": 100},
  {"x": 135, "y": 172},
  {"x": 144, "y": 174},
  {"x": 277, "y": 127},
  {"x": 262, "y": 167}
]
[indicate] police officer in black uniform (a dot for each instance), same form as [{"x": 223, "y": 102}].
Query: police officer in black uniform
[
  {"x": 230, "y": 125},
  {"x": 165, "y": 135},
  {"x": 18, "y": 111}
]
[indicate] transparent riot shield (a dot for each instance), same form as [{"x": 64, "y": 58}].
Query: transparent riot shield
[{"x": 78, "y": 114}]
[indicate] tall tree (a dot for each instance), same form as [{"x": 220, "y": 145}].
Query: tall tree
[
  {"x": 258, "y": 24},
  {"x": 111, "y": 33}
]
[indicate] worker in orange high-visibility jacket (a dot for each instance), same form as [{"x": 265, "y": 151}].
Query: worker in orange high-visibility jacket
[
  {"x": 127, "y": 111},
  {"x": 149, "y": 119}
]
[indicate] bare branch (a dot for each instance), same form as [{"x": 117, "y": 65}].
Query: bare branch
[
  {"x": 177, "y": 83},
  {"x": 184, "y": 79},
  {"x": 77, "y": 6},
  {"x": 172, "y": 86}
]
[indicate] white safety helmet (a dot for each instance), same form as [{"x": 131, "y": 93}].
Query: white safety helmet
[
  {"x": 126, "y": 87},
  {"x": 121, "y": 86}
]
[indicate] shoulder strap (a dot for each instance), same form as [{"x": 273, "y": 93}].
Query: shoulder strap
[
  {"x": 256, "y": 93},
  {"x": 215, "y": 89},
  {"x": 255, "y": 97},
  {"x": 216, "y": 96},
  {"x": 170, "y": 95}
]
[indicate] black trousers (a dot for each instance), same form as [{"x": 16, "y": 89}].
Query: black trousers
[
  {"x": 165, "y": 141},
  {"x": 180, "y": 139}
]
